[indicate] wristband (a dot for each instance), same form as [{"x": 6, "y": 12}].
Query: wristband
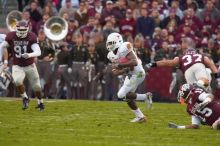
[
  {"x": 181, "y": 127},
  {"x": 5, "y": 61},
  {"x": 154, "y": 64}
]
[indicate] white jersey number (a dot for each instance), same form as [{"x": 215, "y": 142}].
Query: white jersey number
[
  {"x": 206, "y": 111},
  {"x": 19, "y": 50},
  {"x": 188, "y": 58}
]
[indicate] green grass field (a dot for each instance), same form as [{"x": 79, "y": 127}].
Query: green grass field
[{"x": 97, "y": 123}]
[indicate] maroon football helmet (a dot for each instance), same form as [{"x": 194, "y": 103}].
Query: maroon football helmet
[
  {"x": 22, "y": 29},
  {"x": 184, "y": 91}
]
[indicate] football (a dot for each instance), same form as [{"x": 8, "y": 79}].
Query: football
[{"x": 123, "y": 60}]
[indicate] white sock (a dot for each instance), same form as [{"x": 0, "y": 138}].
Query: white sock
[
  {"x": 39, "y": 101},
  {"x": 24, "y": 95},
  {"x": 141, "y": 97},
  {"x": 138, "y": 113}
]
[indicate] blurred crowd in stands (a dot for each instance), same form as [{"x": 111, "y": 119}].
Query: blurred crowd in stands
[{"x": 77, "y": 67}]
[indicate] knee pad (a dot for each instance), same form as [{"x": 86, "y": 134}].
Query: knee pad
[
  {"x": 36, "y": 87},
  {"x": 130, "y": 96},
  {"x": 18, "y": 82}
]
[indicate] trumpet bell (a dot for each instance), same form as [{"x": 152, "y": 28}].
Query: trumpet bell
[
  {"x": 56, "y": 28},
  {"x": 12, "y": 18}
]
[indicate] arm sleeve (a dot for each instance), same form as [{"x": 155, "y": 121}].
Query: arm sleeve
[
  {"x": 195, "y": 120},
  {"x": 36, "y": 50}
]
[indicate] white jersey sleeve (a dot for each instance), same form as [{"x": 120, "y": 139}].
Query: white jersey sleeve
[
  {"x": 36, "y": 50},
  {"x": 125, "y": 48},
  {"x": 3, "y": 45},
  {"x": 2, "y": 37}
]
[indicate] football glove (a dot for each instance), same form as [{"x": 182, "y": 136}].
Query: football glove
[
  {"x": 25, "y": 55},
  {"x": 150, "y": 65},
  {"x": 69, "y": 70}
]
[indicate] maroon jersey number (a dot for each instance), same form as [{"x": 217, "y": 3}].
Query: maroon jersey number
[
  {"x": 19, "y": 50},
  {"x": 188, "y": 59}
]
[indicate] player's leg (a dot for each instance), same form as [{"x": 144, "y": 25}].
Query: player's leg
[
  {"x": 202, "y": 76},
  {"x": 18, "y": 75},
  {"x": 190, "y": 75},
  {"x": 131, "y": 101},
  {"x": 125, "y": 92},
  {"x": 34, "y": 80},
  {"x": 147, "y": 97}
]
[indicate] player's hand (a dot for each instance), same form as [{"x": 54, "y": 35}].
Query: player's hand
[
  {"x": 115, "y": 65},
  {"x": 172, "y": 125},
  {"x": 25, "y": 55},
  {"x": 5, "y": 65},
  {"x": 69, "y": 70},
  {"x": 148, "y": 66}
]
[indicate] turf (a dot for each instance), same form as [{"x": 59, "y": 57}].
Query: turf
[{"x": 97, "y": 123}]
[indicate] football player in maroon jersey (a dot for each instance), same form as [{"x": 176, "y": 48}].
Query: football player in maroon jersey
[
  {"x": 24, "y": 48},
  {"x": 201, "y": 105},
  {"x": 192, "y": 64}
]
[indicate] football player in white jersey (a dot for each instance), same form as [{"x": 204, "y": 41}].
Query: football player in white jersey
[
  {"x": 5, "y": 75},
  {"x": 125, "y": 61},
  {"x": 2, "y": 38}
]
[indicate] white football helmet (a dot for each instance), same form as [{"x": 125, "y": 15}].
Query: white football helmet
[
  {"x": 22, "y": 29},
  {"x": 114, "y": 41}
]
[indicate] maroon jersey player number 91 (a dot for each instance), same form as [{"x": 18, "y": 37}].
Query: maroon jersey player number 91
[{"x": 23, "y": 46}]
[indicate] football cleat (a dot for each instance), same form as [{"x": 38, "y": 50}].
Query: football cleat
[
  {"x": 40, "y": 106},
  {"x": 139, "y": 120},
  {"x": 149, "y": 100},
  {"x": 25, "y": 102}
]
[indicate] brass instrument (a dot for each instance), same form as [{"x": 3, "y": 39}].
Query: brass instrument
[
  {"x": 12, "y": 18},
  {"x": 56, "y": 28}
]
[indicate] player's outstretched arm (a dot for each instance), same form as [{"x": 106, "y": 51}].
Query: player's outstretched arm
[
  {"x": 175, "y": 126},
  {"x": 167, "y": 63},
  {"x": 195, "y": 124}
]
